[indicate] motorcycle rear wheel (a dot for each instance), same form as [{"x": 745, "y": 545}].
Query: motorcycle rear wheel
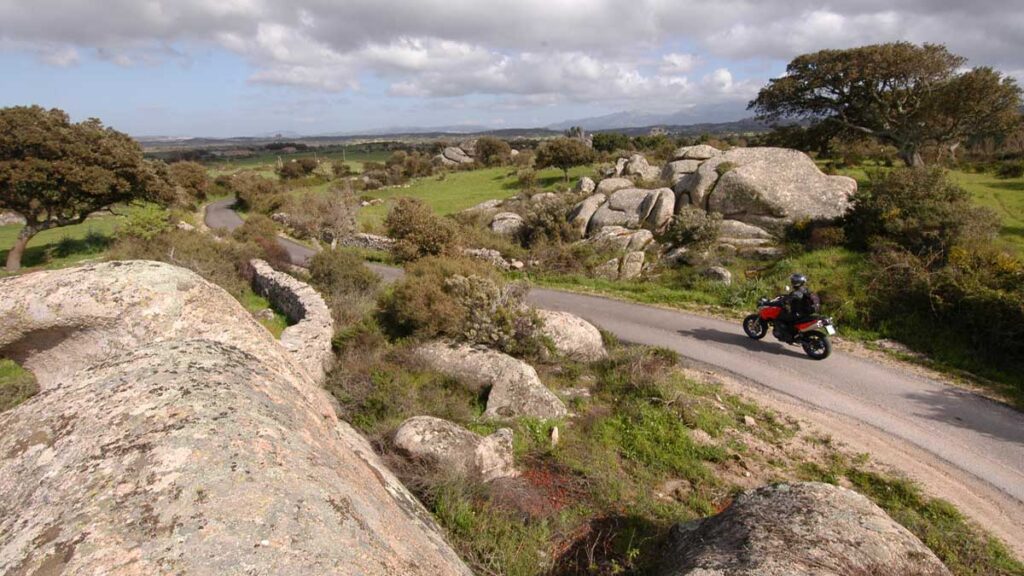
[
  {"x": 755, "y": 327},
  {"x": 817, "y": 346}
]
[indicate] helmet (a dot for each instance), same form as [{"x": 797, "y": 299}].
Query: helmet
[{"x": 797, "y": 280}]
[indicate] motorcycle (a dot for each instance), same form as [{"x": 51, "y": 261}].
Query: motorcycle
[{"x": 811, "y": 333}]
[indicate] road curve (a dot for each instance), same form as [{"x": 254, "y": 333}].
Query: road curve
[{"x": 975, "y": 435}]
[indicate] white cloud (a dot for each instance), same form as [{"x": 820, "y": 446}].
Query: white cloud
[
  {"x": 523, "y": 50},
  {"x": 675, "y": 63}
]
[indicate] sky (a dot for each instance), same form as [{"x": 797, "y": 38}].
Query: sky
[{"x": 254, "y": 67}]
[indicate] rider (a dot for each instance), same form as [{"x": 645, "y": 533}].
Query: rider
[{"x": 794, "y": 306}]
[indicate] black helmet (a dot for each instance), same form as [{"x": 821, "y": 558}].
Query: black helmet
[{"x": 797, "y": 280}]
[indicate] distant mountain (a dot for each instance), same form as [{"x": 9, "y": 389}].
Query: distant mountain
[
  {"x": 714, "y": 115},
  {"x": 392, "y": 130}
]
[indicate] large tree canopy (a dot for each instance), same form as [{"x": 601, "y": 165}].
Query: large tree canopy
[
  {"x": 55, "y": 173},
  {"x": 564, "y": 153},
  {"x": 899, "y": 93}
]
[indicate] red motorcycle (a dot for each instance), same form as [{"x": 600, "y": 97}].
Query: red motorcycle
[{"x": 811, "y": 333}]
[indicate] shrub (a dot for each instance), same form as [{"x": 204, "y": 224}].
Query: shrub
[
  {"x": 220, "y": 262},
  {"x": 328, "y": 216},
  {"x": 346, "y": 283},
  {"x": 418, "y": 304},
  {"x": 190, "y": 180},
  {"x": 419, "y": 232},
  {"x": 491, "y": 151},
  {"x": 342, "y": 169},
  {"x": 1010, "y": 169},
  {"x": 526, "y": 178},
  {"x": 144, "y": 221},
  {"x": 724, "y": 167},
  {"x": 494, "y": 314},
  {"x": 919, "y": 210},
  {"x": 291, "y": 170},
  {"x": 548, "y": 221},
  {"x": 257, "y": 194},
  {"x": 254, "y": 227},
  {"x": 693, "y": 226}
]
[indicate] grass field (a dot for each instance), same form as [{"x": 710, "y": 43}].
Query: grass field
[
  {"x": 265, "y": 162},
  {"x": 60, "y": 247},
  {"x": 461, "y": 190}
]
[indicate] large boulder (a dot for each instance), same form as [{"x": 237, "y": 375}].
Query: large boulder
[
  {"x": 771, "y": 187},
  {"x": 581, "y": 214},
  {"x": 515, "y": 388},
  {"x": 621, "y": 239},
  {"x": 457, "y": 155},
  {"x": 609, "y": 185},
  {"x": 8, "y": 218},
  {"x": 506, "y": 223},
  {"x": 798, "y": 529},
  {"x": 638, "y": 166},
  {"x": 695, "y": 186},
  {"x": 698, "y": 152},
  {"x": 451, "y": 448},
  {"x": 175, "y": 435},
  {"x": 632, "y": 265},
  {"x": 635, "y": 208},
  {"x": 573, "y": 336},
  {"x": 676, "y": 170},
  {"x": 585, "y": 185},
  {"x": 737, "y": 229}
]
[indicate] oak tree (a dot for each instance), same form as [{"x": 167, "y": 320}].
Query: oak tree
[
  {"x": 899, "y": 93},
  {"x": 564, "y": 153},
  {"x": 55, "y": 172}
]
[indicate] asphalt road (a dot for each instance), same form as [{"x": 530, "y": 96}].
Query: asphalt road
[{"x": 975, "y": 435}]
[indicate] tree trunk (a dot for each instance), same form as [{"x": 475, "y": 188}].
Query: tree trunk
[
  {"x": 565, "y": 172},
  {"x": 912, "y": 157},
  {"x": 14, "y": 256}
]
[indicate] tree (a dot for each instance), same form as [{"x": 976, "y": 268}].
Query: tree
[
  {"x": 564, "y": 153},
  {"x": 55, "y": 173},
  {"x": 611, "y": 142},
  {"x": 491, "y": 151},
  {"x": 898, "y": 93}
]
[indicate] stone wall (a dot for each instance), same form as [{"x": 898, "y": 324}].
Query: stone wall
[{"x": 308, "y": 339}]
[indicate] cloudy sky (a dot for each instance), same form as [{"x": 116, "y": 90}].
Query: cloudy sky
[{"x": 245, "y": 67}]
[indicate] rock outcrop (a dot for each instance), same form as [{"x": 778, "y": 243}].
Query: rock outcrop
[
  {"x": 635, "y": 208},
  {"x": 506, "y": 223},
  {"x": 450, "y": 448},
  {"x": 175, "y": 435},
  {"x": 308, "y": 338},
  {"x": 621, "y": 239},
  {"x": 573, "y": 336},
  {"x": 8, "y": 218},
  {"x": 766, "y": 188},
  {"x": 796, "y": 529},
  {"x": 627, "y": 267},
  {"x": 515, "y": 388}
]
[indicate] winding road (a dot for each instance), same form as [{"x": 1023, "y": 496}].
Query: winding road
[{"x": 975, "y": 443}]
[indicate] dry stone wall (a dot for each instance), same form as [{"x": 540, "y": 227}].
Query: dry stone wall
[{"x": 308, "y": 339}]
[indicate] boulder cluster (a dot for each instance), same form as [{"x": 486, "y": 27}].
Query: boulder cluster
[
  {"x": 513, "y": 390},
  {"x": 461, "y": 155},
  {"x": 757, "y": 192}
]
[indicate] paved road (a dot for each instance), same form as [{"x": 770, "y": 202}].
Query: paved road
[{"x": 975, "y": 435}]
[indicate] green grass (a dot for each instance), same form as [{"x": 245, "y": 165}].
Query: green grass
[
  {"x": 16, "y": 384},
  {"x": 1006, "y": 197},
  {"x": 62, "y": 247},
  {"x": 265, "y": 162},
  {"x": 253, "y": 302},
  {"x": 460, "y": 190}
]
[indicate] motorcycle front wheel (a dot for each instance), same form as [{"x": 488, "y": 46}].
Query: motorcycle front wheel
[
  {"x": 755, "y": 327},
  {"x": 817, "y": 346}
]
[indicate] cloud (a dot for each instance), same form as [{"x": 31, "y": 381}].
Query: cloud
[{"x": 521, "y": 50}]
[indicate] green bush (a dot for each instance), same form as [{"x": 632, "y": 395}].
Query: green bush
[
  {"x": 144, "y": 221},
  {"x": 419, "y": 232},
  {"x": 547, "y": 221},
  {"x": 256, "y": 193},
  {"x": 693, "y": 226},
  {"x": 1010, "y": 169},
  {"x": 345, "y": 282},
  {"x": 919, "y": 210},
  {"x": 491, "y": 151},
  {"x": 256, "y": 226},
  {"x": 224, "y": 263}
]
